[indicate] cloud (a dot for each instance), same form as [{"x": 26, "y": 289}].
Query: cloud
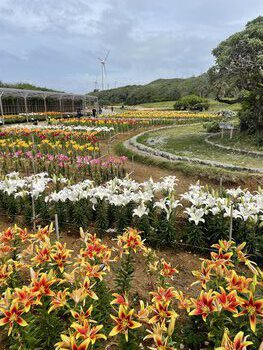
[{"x": 57, "y": 43}]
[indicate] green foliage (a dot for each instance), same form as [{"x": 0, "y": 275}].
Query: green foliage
[
  {"x": 211, "y": 126},
  {"x": 41, "y": 333},
  {"x": 157, "y": 91},
  {"x": 124, "y": 274},
  {"x": 191, "y": 102},
  {"x": 239, "y": 60}
]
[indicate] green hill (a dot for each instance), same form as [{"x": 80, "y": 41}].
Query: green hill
[{"x": 157, "y": 91}]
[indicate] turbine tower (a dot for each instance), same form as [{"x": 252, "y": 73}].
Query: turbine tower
[{"x": 103, "y": 69}]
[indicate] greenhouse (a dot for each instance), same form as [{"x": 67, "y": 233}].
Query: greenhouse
[{"x": 15, "y": 101}]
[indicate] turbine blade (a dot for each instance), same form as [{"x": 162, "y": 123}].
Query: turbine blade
[{"x": 107, "y": 55}]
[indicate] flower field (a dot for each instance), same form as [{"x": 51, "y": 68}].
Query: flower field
[
  {"x": 70, "y": 151},
  {"x": 57, "y": 298},
  {"x": 82, "y": 294},
  {"x": 199, "y": 217},
  {"x": 155, "y": 114},
  {"x": 119, "y": 125}
]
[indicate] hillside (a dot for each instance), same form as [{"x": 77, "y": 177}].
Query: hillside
[{"x": 157, "y": 91}]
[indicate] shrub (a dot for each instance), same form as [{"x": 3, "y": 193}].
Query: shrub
[
  {"x": 192, "y": 102},
  {"x": 211, "y": 126}
]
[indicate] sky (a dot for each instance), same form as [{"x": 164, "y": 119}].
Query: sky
[{"x": 57, "y": 43}]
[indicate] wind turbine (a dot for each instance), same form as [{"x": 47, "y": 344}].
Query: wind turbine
[{"x": 103, "y": 69}]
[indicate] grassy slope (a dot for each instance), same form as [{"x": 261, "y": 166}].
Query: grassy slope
[
  {"x": 247, "y": 142},
  {"x": 188, "y": 141},
  {"x": 215, "y": 106}
]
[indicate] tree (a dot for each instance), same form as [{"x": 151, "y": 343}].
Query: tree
[
  {"x": 191, "y": 102},
  {"x": 239, "y": 63}
]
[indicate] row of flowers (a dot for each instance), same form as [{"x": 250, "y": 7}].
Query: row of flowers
[
  {"x": 55, "y": 141},
  {"x": 158, "y": 114},
  {"x": 74, "y": 167},
  {"x": 119, "y": 125},
  {"x": 55, "y": 298},
  {"x": 25, "y": 117},
  {"x": 200, "y": 217}
]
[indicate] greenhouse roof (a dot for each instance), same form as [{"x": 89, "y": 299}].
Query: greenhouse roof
[{"x": 10, "y": 92}]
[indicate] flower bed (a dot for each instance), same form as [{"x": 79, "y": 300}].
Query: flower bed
[
  {"x": 23, "y": 117},
  {"x": 71, "y": 151},
  {"x": 152, "y": 114},
  {"x": 199, "y": 219},
  {"x": 119, "y": 125},
  {"x": 54, "y": 298}
]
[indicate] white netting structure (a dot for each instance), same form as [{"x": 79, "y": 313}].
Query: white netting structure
[{"x": 15, "y": 101}]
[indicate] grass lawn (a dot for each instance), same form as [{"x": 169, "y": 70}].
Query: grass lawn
[
  {"x": 188, "y": 141},
  {"x": 215, "y": 106},
  {"x": 246, "y": 142}
]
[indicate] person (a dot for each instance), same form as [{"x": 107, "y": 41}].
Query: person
[
  {"x": 94, "y": 111},
  {"x": 100, "y": 110},
  {"x": 112, "y": 108},
  {"x": 79, "y": 114}
]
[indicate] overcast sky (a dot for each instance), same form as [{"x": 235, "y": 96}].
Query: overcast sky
[{"x": 56, "y": 43}]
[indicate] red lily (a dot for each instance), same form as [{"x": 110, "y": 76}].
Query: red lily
[
  {"x": 252, "y": 308},
  {"x": 204, "y": 305},
  {"x": 228, "y": 301},
  {"x": 12, "y": 316}
]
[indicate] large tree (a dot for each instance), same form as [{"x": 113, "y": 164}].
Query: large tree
[{"x": 239, "y": 64}]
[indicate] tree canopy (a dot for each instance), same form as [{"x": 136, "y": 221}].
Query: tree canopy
[{"x": 239, "y": 63}]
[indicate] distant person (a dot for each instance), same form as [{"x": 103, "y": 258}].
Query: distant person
[
  {"x": 94, "y": 112},
  {"x": 79, "y": 114},
  {"x": 100, "y": 110},
  {"x": 122, "y": 107},
  {"x": 112, "y": 109}
]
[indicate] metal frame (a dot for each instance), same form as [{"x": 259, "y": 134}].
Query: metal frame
[{"x": 60, "y": 96}]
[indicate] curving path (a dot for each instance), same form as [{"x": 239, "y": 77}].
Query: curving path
[{"x": 134, "y": 145}]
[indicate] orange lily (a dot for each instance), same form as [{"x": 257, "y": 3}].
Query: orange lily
[
  {"x": 238, "y": 283},
  {"x": 60, "y": 255},
  {"x": 87, "y": 287},
  {"x": 157, "y": 334},
  {"x": 81, "y": 316},
  {"x": 6, "y": 271},
  {"x": 163, "y": 295},
  {"x": 252, "y": 308},
  {"x": 167, "y": 270},
  {"x": 226, "y": 301},
  {"x": 183, "y": 303},
  {"x": 71, "y": 343},
  {"x": 203, "y": 274},
  {"x": 223, "y": 245},
  {"x": 12, "y": 316},
  {"x": 25, "y": 297},
  {"x": 59, "y": 300},
  {"x": 42, "y": 255},
  {"x": 204, "y": 305},
  {"x": 7, "y": 236},
  {"x": 120, "y": 299},
  {"x": 240, "y": 342},
  {"x": 42, "y": 285},
  {"x": 124, "y": 322},
  {"x": 91, "y": 334},
  {"x": 161, "y": 312}
]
